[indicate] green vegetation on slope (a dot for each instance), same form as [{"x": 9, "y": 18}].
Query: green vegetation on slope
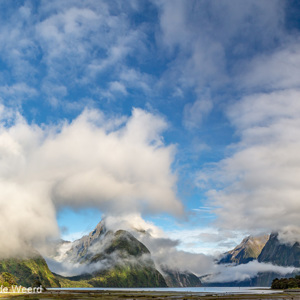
[
  {"x": 69, "y": 283},
  {"x": 129, "y": 275},
  {"x": 7, "y": 280},
  {"x": 29, "y": 272},
  {"x": 118, "y": 258},
  {"x": 126, "y": 242}
]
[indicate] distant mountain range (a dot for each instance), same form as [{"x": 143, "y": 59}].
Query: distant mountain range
[
  {"x": 103, "y": 259},
  {"x": 106, "y": 258},
  {"x": 264, "y": 249}
]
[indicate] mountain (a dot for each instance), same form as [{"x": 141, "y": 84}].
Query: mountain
[
  {"x": 111, "y": 259},
  {"x": 101, "y": 243},
  {"x": 116, "y": 259},
  {"x": 248, "y": 250},
  {"x": 280, "y": 254},
  {"x": 266, "y": 249},
  {"x": 29, "y": 271},
  {"x": 175, "y": 278}
]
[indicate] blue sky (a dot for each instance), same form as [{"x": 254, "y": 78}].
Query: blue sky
[{"x": 212, "y": 91}]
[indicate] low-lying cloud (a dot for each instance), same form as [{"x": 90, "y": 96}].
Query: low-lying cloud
[
  {"x": 163, "y": 249},
  {"x": 164, "y": 252},
  {"x": 227, "y": 273},
  {"x": 118, "y": 165}
]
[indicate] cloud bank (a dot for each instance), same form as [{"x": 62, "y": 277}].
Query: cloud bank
[
  {"x": 258, "y": 181},
  {"x": 246, "y": 271},
  {"x": 117, "y": 165}
]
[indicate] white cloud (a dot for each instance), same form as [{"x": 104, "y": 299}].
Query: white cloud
[
  {"x": 17, "y": 93},
  {"x": 194, "y": 113},
  {"x": 116, "y": 86},
  {"x": 257, "y": 183},
  {"x": 69, "y": 45},
  {"x": 74, "y": 235},
  {"x": 115, "y": 166},
  {"x": 206, "y": 57},
  {"x": 134, "y": 223},
  {"x": 76, "y": 44},
  {"x": 135, "y": 79},
  {"x": 278, "y": 70},
  {"x": 227, "y": 273},
  {"x": 206, "y": 240}
]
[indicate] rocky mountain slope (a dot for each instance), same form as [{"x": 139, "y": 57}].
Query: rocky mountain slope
[
  {"x": 175, "y": 278},
  {"x": 280, "y": 254},
  {"x": 102, "y": 258},
  {"x": 266, "y": 249},
  {"x": 248, "y": 250},
  {"x": 112, "y": 259}
]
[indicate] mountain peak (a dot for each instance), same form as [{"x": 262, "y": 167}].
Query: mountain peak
[
  {"x": 249, "y": 249},
  {"x": 113, "y": 258},
  {"x": 99, "y": 229},
  {"x": 279, "y": 253}
]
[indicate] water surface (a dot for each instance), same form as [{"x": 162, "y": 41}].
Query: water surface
[{"x": 204, "y": 290}]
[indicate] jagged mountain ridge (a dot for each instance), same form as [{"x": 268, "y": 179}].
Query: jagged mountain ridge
[
  {"x": 114, "y": 259},
  {"x": 117, "y": 259},
  {"x": 273, "y": 252},
  {"x": 280, "y": 254},
  {"x": 101, "y": 243},
  {"x": 116, "y": 251},
  {"x": 248, "y": 250}
]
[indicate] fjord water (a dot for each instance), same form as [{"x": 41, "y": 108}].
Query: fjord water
[{"x": 204, "y": 290}]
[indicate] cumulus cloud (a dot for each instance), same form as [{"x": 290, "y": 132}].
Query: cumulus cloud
[
  {"x": 257, "y": 182},
  {"x": 116, "y": 165},
  {"x": 134, "y": 223}
]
